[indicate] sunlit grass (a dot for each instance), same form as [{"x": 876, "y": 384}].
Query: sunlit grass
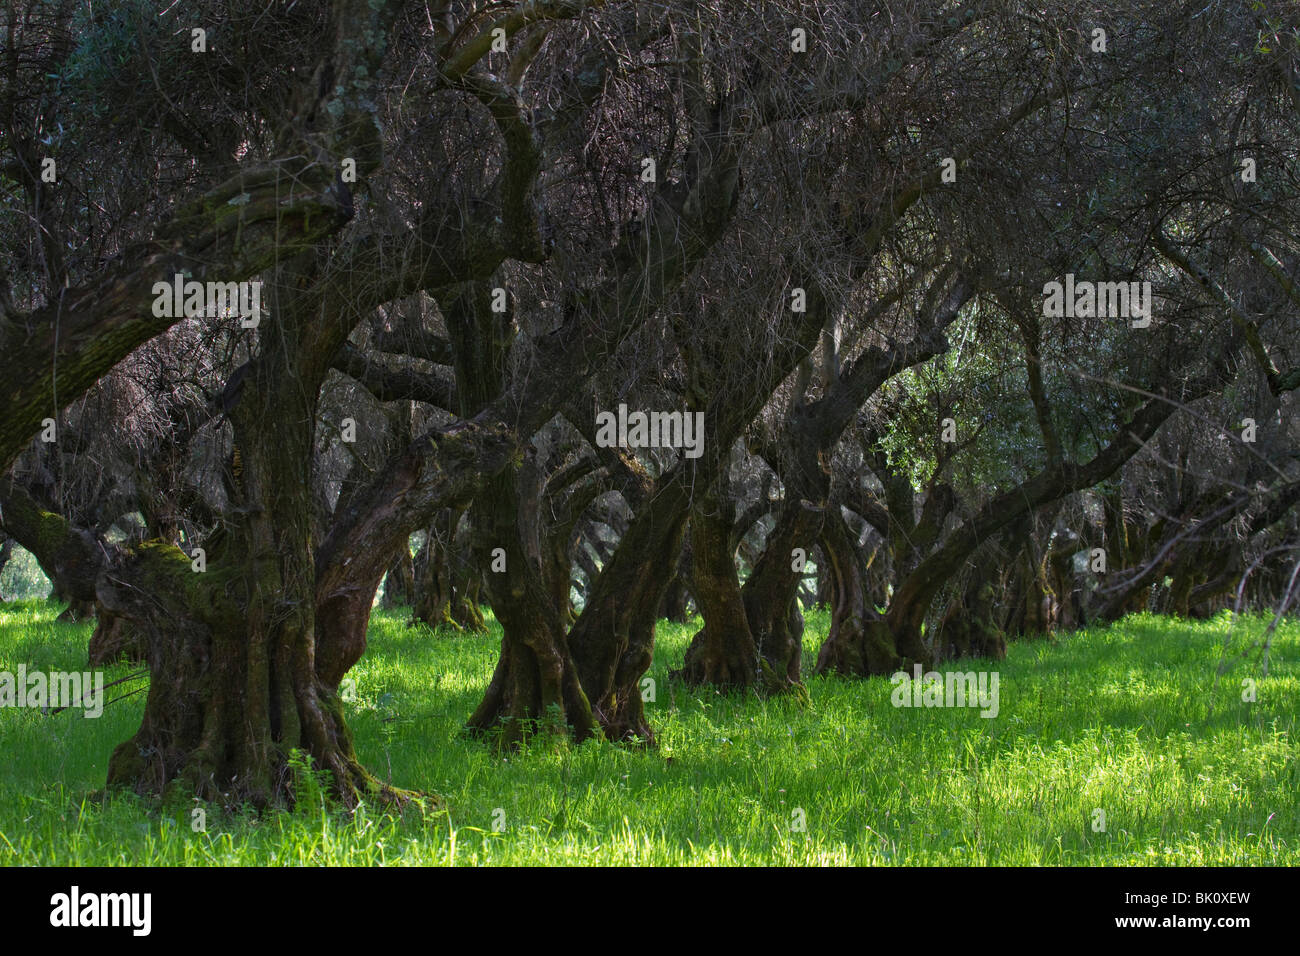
[{"x": 1125, "y": 720}]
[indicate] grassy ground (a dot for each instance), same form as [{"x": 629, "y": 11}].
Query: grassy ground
[{"x": 1118, "y": 720}]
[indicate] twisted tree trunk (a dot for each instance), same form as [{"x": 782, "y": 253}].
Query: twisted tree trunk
[
  {"x": 536, "y": 681},
  {"x": 723, "y": 653},
  {"x": 613, "y": 638},
  {"x": 859, "y": 641}
]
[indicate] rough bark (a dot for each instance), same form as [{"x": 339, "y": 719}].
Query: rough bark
[
  {"x": 771, "y": 594},
  {"x": 613, "y": 638},
  {"x": 233, "y": 692},
  {"x": 536, "y": 682},
  {"x": 442, "y": 469},
  {"x": 859, "y": 641},
  {"x": 723, "y": 652},
  {"x": 971, "y": 626},
  {"x": 466, "y": 593},
  {"x": 751, "y": 635},
  {"x": 1031, "y": 606}
]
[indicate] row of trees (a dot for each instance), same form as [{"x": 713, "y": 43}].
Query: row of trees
[{"x": 823, "y": 227}]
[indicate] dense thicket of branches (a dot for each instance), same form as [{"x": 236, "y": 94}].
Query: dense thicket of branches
[{"x": 825, "y": 229}]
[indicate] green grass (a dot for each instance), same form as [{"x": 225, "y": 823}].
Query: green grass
[{"x": 1117, "y": 719}]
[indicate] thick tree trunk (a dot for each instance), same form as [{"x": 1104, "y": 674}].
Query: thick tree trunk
[
  {"x": 970, "y": 627},
  {"x": 771, "y": 595},
  {"x": 613, "y": 638},
  {"x": 1125, "y": 544},
  {"x": 1061, "y": 581},
  {"x": 536, "y": 682},
  {"x": 234, "y": 693},
  {"x": 557, "y": 572},
  {"x": 448, "y": 581},
  {"x": 1220, "y": 575},
  {"x": 466, "y": 595},
  {"x": 1184, "y": 576},
  {"x": 1032, "y": 606},
  {"x": 752, "y": 636},
  {"x": 723, "y": 653},
  {"x": 859, "y": 642}
]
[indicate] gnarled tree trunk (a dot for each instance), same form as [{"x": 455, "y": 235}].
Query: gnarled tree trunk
[
  {"x": 234, "y": 692},
  {"x": 536, "y": 680},
  {"x": 771, "y": 595},
  {"x": 613, "y": 638},
  {"x": 859, "y": 641},
  {"x": 723, "y": 652}
]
